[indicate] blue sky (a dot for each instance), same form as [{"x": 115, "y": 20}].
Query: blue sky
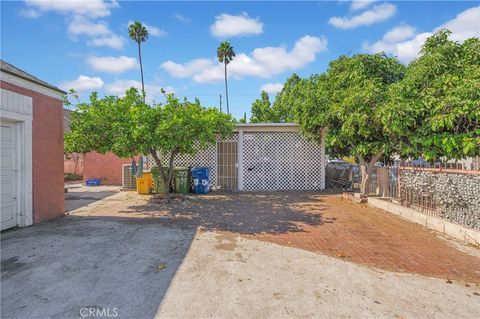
[{"x": 84, "y": 44}]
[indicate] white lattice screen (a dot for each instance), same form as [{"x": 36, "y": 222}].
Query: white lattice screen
[
  {"x": 281, "y": 161},
  {"x": 270, "y": 160},
  {"x": 204, "y": 158}
]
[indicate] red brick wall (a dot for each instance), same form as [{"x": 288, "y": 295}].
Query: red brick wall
[
  {"x": 47, "y": 153},
  {"x": 107, "y": 167}
]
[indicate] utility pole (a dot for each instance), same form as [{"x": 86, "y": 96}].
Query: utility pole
[{"x": 220, "y": 103}]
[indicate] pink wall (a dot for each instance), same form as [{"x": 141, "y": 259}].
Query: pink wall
[
  {"x": 73, "y": 164},
  {"x": 47, "y": 153},
  {"x": 107, "y": 167}
]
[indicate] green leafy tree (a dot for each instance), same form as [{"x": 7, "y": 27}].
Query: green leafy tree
[
  {"x": 310, "y": 105},
  {"x": 127, "y": 126},
  {"x": 262, "y": 111},
  {"x": 138, "y": 33},
  {"x": 285, "y": 99},
  {"x": 345, "y": 105},
  {"x": 244, "y": 118},
  {"x": 225, "y": 55},
  {"x": 434, "y": 112}
]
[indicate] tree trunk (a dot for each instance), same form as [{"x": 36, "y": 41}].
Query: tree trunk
[
  {"x": 366, "y": 171},
  {"x": 226, "y": 88},
  {"x": 75, "y": 167},
  {"x": 141, "y": 70},
  {"x": 168, "y": 180},
  {"x": 153, "y": 152}
]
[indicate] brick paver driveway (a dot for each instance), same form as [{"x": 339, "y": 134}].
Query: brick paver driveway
[
  {"x": 239, "y": 255},
  {"x": 316, "y": 222}
]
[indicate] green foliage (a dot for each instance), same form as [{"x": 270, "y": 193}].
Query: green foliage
[
  {"x": 244, "y": 118},
  {"x": 137, "y": 32},
  {"x": 348, "y": 100},
  {"x": 282, "y": 109},
  {"x": 225, "y": 53},
  {"x": 345, "y": 105},
  {"x": 69, "y": 177},
  {"x": 310, "y": 104},
  {"x": 262, "y": 111},
  {"x": 434, "y": 112},
  {"x": 187, "y": 126},
  {"x": 127, "y": 126},
  {"x": 285, "y": 99}
]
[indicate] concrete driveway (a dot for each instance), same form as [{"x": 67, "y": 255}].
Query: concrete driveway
[
  {"x": 231, "y": 256},
  {"x": 79, "y": 195}
]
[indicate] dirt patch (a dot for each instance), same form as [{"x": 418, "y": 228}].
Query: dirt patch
[{"x": 226, "y": 241}]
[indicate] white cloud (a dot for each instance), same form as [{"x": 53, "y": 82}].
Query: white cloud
[
  {"x": 119, "y": 87},
  {"x": 80, "y": 25},
  {"x": 227, "y": 25},
  {"x": 153, "y": 31},
  {"x": 29, "y": 13},
  {"x": 360, "y": 4},
  {"x": 376, "y": 14},
  {"x": 187, "y": 69},
  {"x": 465, "y": 25},
  {"x": 262, "y": 62},
  {"x": 114, "y": 41},
  {"x": 82, "y": 18},
  {"x": 97, "y": 31},
  {"x": 181, "y": 18},
  {"x": 272, "y": 88},
  {"x": 111, "y": 64},
  {"x": 90, "y": 8},
  {"x": 83, "y": 83},
  {"x": 405, "y": 42},
  {"x": 399, "y": 33}
]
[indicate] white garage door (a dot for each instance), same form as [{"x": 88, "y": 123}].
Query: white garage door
[{"x": 8, "y": 174}]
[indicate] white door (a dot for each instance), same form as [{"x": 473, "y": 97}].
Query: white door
[{"x": 8, "y": 174}]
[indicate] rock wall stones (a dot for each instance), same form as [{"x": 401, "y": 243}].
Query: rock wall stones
[{"x": 456, "y": 197}]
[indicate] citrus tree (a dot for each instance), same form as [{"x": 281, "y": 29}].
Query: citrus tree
[
  {"x": 261, "y": 111},
  {"x": 127, "y": 127},
  {"x": 345, "y": 105},
  {"x": 434, "y": 112},
  {"x": 285, "y": 99}
]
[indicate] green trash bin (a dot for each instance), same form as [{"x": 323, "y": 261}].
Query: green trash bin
[
  {"x": 159, "y": 185},
  {"x": 181, "y": 177}
]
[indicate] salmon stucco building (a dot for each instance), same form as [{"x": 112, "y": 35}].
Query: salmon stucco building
[{"x": 31, "y": 118}]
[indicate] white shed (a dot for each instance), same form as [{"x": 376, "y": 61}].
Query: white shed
[{"x": 262, "y": 157}]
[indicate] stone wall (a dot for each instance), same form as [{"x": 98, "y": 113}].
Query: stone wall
[{"x": 456, "y": 196}]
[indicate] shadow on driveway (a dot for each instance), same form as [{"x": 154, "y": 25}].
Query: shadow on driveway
[
  {"x": 79, "y": 195},
  {"x": 123, "y": 252},
  {"x": 242, "y": 213},
  {"x": 57, "y": 268}
]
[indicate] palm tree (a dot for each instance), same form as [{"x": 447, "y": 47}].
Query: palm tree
[
  {"x": 225, "y": 54},
  {"x": 139, "y": 34}
]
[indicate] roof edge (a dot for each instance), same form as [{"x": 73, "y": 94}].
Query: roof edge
[{"x": 29, "y": 77}]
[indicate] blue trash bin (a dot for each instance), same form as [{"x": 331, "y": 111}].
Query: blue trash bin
[
  {"x": 92, "y": 182},
  {"x": 201, "y": 183}
]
